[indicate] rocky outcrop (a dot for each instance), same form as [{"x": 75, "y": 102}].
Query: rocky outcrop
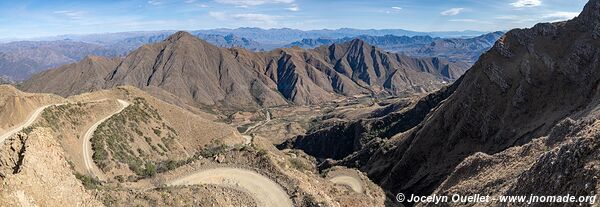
[
  {"x": 34, "y": 172},
  {"x": 564, "y": 162}
]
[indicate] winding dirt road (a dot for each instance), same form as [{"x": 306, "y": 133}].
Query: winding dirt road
[
  {"x": 264, "y": 191},
  {"x": 28, "y": 122},
  {"x": 87, "y": 145},
  {"x": 355, "y": 184},
  {"x": 248, "y": 138},
  {"x": 261, "y": 123}
]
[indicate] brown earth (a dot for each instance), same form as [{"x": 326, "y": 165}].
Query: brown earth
[
  {"x": 149, "y": 130},
  {"x": 35, "y": 172},
  {"x": 16, "y": 106},
  {"x": 200, "y": 74},
  {"x": 516, "y": 93}
]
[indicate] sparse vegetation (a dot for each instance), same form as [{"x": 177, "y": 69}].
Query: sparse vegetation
[
  {"x": 215, "y": 148},
  {"x": 88, "y": 181},
  {"x": 73, "y": 113},
  {"x": 298, "y": 164},
  {"x": 113, "y": 141},
  {"x": 262, "y": 152},
  {"x": 150, "y": 169}
]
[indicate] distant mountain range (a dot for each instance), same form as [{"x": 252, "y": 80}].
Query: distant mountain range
[
  {"x": 19, "y": 60},
  {"x": 454, "y": 49},
  {"x": 272, "y": 36},
  {"x": 202, "y": 74},
  {"x": 5, "y": 80}
]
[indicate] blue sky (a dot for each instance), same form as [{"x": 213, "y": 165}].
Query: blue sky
[{"x": 35, "y": 18}]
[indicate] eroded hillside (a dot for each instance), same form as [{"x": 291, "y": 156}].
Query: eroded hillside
[{"x": 513, "y": 96}]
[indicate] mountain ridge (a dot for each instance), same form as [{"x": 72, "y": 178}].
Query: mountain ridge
[
  {"x": 524, "y": 86},
  {"x": 238, "y": 77},
  {"x": 454, "y": 49}
]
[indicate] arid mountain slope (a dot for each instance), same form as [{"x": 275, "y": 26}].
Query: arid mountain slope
[
  {"x": 38, "y": 160},
  {"x": 84, "y": 76},
  {"x": 147, "y": 131},
  {"x": 16, "y": 106},
  {"x": 564, "y": 162},
  {"x": 529, "y": 81},
  {"x": 202, "y": 74},
  {"x": 20, "y": 60}
]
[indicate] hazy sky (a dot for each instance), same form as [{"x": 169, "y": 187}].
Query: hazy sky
[{"x": 34, "y": 18}]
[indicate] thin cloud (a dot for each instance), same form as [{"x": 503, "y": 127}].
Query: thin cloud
[
  {"x": 190, "y": 1},
  {"x": 294, "y": 8},
  {"x": 560, "y": 16},
  {"x": 248, "y": 3},
  {"x": 71, "y": 14},
  {"x": 526, "y": 3},
  {"x": 452, "y": 12},
  {"x": 470, "y": 21},
  {"x": 253, "y": 18},
  {"x": 155, "y": 2},
  {"x": 463, "y": 20},
  {"x": 553, "y": 16},
  {"x": 397, "y": 8}
]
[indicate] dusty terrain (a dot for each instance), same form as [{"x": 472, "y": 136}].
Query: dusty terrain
[
  {"x": 226, "y": 166},
  {"x": 35, "y": 172},
  {"x": 17, "y": 106},
  {"x": 264, "y": 191},
  {"x": 90, "y": 167}
]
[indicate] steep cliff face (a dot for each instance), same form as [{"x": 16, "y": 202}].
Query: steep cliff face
[
  {"x": 564, "y": 162},
  {"x": 529, "y": 81},
  {"x": 202, "y": 74}
]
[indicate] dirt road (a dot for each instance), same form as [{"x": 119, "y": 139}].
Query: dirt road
[
  {"x": 28, "y": 122},
  {"x": 355, "y": 184},
  {"x": 264, "y": 191},
  {"x": 261, "y": 123},
  {"x": 87, "y": 145}
]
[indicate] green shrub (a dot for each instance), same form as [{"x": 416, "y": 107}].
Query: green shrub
[
  {"x": 298, "y": 164},
  {"x": 88, "y": 181},
  {"x": 150, "y": 169}
]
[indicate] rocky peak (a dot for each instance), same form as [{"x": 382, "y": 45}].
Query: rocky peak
[
  {"x": 590, "y": 15},
  {"x": 357, "y": 43},
  {"x": 181, "y": 35}
]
